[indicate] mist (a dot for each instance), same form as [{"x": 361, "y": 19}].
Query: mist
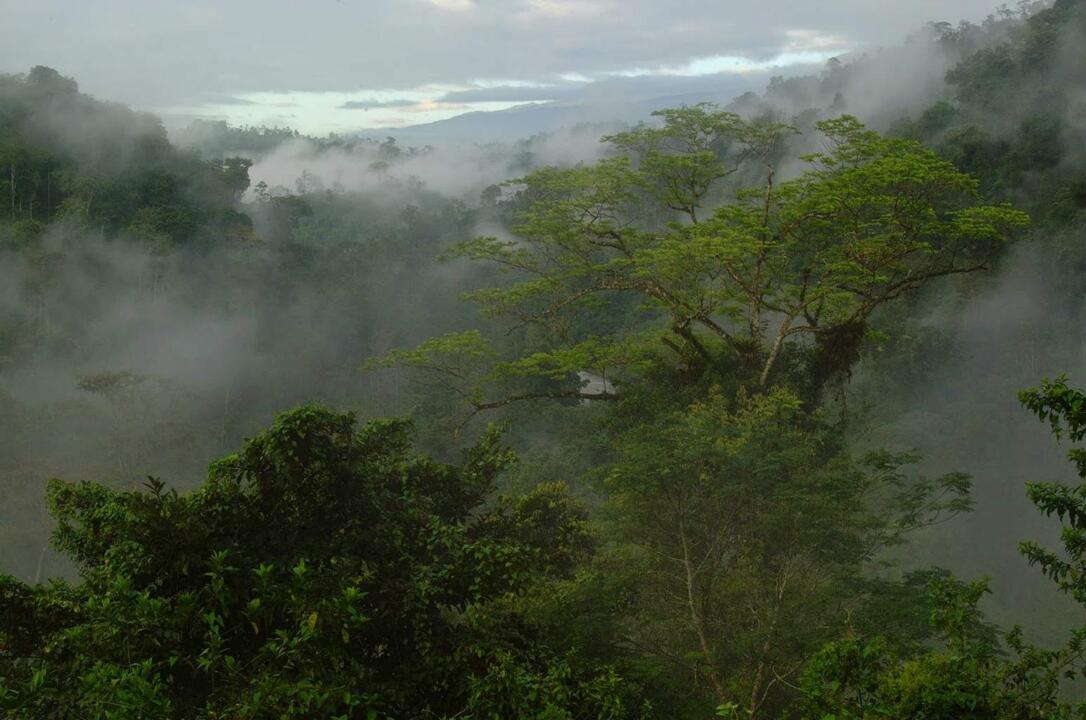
[
  {"x": 134, "y": 365},
  {"x": 464, "y": 411},
  {"x": 457, "y": 169},
  {"x": 951, "y": 394}
]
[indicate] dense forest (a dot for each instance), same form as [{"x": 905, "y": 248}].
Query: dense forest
[{"x": 758, "y": 411}]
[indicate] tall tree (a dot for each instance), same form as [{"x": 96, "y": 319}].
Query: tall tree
[
  {"x": 751, "y": 532},
  {"x": 795, "y": 267}
]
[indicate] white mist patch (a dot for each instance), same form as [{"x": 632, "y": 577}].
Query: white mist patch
[
  {"x": 990, "y": 337},
  {"x": 594, "y": 384},
  {"x": 456, "y": 169}
]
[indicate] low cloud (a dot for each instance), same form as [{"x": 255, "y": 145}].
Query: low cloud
[
  {"x": 392, "y": 46},
  {"x": 505, "y": 93},
  {"x": 372, "y": 104}
]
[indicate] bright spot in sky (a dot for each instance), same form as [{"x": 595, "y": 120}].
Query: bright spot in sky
[{"x": 322, "y": 112}]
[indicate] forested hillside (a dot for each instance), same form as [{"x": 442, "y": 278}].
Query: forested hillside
[{"x": 759, "y": 411}]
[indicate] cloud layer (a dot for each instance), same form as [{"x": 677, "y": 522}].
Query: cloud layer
[{"x": 159, "y": 55}]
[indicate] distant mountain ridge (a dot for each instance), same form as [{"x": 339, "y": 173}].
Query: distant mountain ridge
[{"x": 532, "y": 118}]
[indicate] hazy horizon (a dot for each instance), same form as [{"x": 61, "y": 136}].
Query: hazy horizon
[{"x": 350, "y": 66}]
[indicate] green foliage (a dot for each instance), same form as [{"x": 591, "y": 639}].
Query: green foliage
[
  {"x": 681, "y": 163},
  {"x": 215, "y": 138},
  {"x": 742, "y": 530},
  {"x": 751, "y": 530},
  {"x": 1013, "y": 120},
  {"x": 1064, "y": 408},
  {"x": 786, "y": 268},
  {"x": 235, "y": 172},
  {"x": 511, "y": 690},
  {"x": 971, "y": 675},
  {"x": 63, "y": 154},
  {"x": 1033, "y": 53},
  {"x": 330, "y": 571},
  {"x": 322, "y": 571}
]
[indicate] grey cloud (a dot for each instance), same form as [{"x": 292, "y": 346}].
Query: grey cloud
[
  {"x": 218, "y": 99},
  {"x": 372, "y": 104},
  {"x": 159, "y": 53},
  {"x": 510, "y": 93},
  {"x": 618, "y": 88}
]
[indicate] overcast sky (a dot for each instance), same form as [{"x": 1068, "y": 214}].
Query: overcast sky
[{"x": 335, "y": 65}]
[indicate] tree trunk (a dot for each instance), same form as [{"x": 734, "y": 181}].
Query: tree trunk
[
  {"x": 776, "y": 349},
  {"x": 695, "y": 619}
]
